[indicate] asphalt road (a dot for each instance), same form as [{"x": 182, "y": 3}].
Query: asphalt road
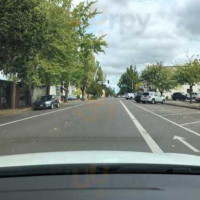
[{"x": 107, "y": 124}]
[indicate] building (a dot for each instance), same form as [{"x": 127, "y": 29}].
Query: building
[
  {"x": 72, "y": 89},
  {"x": 183, "y": 89},
  {"x": 54, "y": 90},
  {"x": 147, "y": 88},
  {"x": 22, "y": 97}
]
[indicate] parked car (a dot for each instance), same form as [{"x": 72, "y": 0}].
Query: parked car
[
  {"x": 198, "y": 98},
  {"x": 130, "y": 96},
  {"x": 179, "y": 96},
  {"x": 194, "y": 95},
  {"x": 49, "y": 101},
  {"x": 138, "y": 97},
  {"x": 152, "y": 97},
  {"x": 70, "y": 97}
]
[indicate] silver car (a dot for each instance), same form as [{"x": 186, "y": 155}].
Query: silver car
[{"x": 152, "y": 97}]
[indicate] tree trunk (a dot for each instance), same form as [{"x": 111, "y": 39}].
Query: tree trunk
[
  {"x": 48, "y": 90},
  {"x": 31, "y": 89},
  {"x": 66, "y": 92},
  {"x": 13, "y": 102},
  {"x": 148, "y": 87},
  {"x": 191, "y": 86},
  {"x": 83, "y": 92}
]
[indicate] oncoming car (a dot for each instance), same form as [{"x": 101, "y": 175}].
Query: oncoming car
[{"x": 152, "y": 97}]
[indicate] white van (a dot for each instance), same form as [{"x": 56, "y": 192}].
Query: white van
[{"x": 130, "y": 96}]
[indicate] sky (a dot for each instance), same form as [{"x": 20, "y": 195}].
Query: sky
[{"x": 141, "y": 32}]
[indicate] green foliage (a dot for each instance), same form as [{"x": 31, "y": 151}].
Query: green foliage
[
  {"x": 159, "y": 76},
  {"x": 99, "y": 74},
  {"x": 78, "y": 92},
  {"x": 189, "y": 73},
  {"x": 109, "y": 92},
  {"x": 129, "y": 81},
  {"x": 56, "y": 56},
  {"x": 23, "y": 27},
  {"x": 47, "y": 42},
  {"x": 88, "y": 42},
  {"x": 95, "y": 89}
]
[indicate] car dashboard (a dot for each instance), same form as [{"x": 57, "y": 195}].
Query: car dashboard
[{"x": 95, "y": 185}]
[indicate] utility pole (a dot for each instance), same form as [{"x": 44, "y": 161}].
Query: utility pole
[{"x": 132, "y": 85}]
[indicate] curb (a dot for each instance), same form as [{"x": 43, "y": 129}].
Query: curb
[
  {"x": 10, "y": 112},
  {"x": 183, "y": 106}
]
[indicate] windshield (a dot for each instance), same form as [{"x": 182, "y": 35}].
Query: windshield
[
  {"x": 100, "y": 76},
  {"x": 45, "y": 98}
]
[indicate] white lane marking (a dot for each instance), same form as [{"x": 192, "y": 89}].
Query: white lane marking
[
  {"x": 190, "y": 123},
  {"x": 179, "y": 125},
  {"x": 43, "y": 114},
  {"x": 181, "y": 139},
  {"x": 151, "y": 143},
  {"x": 181, "y": 114}
]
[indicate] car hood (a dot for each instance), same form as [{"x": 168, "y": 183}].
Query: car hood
[{"x": 98, "y": 157}]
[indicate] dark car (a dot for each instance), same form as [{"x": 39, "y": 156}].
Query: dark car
[
  {"x": 179, "y": 96},
  {"x": 138, "y": 97},
  {"x": 49, "y": 101}
]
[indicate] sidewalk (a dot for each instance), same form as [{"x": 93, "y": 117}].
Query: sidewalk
[
  {"x": 9, "y": 112},
  {"x": 185, "y": 104}
]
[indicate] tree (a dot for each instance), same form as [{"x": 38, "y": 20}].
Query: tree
[
  {"x": 109, "y": 92},
  {"x": 96, "y": 86},
  {"x": 88, "y": 42},
  {"x": 95, "y": 89},
  {"x": 23, "y": 26},
  {"x": 159, "y": 76},
  {"x": 129, "y": 80},
  {"x": 99, "y": 76},
  {"x": 70, "y": 63},
  {"x": 55, "y": 57},
  {"x": 48, "y": 43},
  {"x": 189, "y": 73}
]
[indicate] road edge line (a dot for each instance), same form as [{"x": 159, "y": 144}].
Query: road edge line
[
  {"x": 149, "y": 140},
  {"x": 43, "y": 114}
]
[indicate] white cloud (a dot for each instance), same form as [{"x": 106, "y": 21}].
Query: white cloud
[{"x": 144, "y": 31}]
